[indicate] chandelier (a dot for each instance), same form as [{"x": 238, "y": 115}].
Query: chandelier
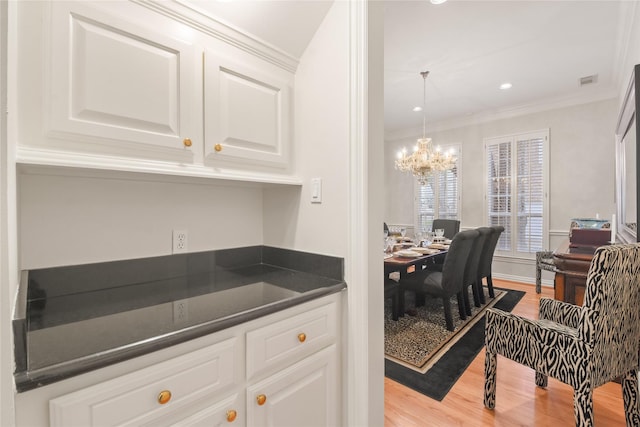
[{"x": 425, "y": 159}]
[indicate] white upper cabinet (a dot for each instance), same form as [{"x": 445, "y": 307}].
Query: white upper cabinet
[
  {"x": 246, "y": 113},
  {"x": 150, "y": 87},
  {"x": 119, "y": 83}
]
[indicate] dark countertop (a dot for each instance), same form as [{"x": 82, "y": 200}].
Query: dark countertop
[{"x": 80, "y": 318}]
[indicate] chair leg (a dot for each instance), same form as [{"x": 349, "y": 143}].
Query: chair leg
[
  {"x": 477, "y": 288},
  {"x": 490, "y": 286},
  {"x": 490, "y": 369},
  {"x": 541, "y": 380},
  {"x": 480, "y": 290},
  {"x": 448, "y": 317},
  {"x": 467, "y": 303},
  {"x": 583, "y": 406},
  {"x": 461, "y": 306},
  {"x": 630, "y": 396},
  {"x": 538, "y": 279},
  {"x": 420, "y": 299},
  {"x": 401, "y": 301},
  {"x": 395, "y": 303}
]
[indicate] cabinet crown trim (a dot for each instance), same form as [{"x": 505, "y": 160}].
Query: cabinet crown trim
[{"x": 200, "y": 20}]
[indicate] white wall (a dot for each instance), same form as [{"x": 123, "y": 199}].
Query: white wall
[
  {"x": 321, "y": 145},
  {"x": 631, "y": 50},
  {"x": 78, "y": 219},
  {"x": 337, "y": 96},
  {"x": 582, "y": 168}
]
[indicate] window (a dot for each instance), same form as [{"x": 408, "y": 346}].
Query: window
[
  {"x": 440, "y": 198},
  {"x": 516, "y": 193}
]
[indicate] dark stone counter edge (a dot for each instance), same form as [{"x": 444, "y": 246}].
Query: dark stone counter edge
[{"x": 29, "y": 380}]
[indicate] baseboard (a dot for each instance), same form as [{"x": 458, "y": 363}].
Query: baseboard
[{"x": 522, "y": 279}]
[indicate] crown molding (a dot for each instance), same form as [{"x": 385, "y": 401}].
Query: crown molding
[
  {"x": 505, "y": 113},
  {"x": 185, "y": 12}
]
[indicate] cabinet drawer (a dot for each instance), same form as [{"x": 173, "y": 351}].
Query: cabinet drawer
[
  {"x": 134, "y": 398},
  {"x": 226, "y": 412},
  {"x": 284, "y": 342}
]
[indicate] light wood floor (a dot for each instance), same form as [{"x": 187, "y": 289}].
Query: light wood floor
[{"x": 518, "y": 401}]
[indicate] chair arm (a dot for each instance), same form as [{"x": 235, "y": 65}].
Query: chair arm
[
  {"x": 588, "y": 325},
  {"x": 506, "y": 333},
  {"x": 560, "y": 312}
]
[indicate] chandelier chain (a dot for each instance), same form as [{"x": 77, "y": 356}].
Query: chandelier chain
[{"x": 424, "y": 103}]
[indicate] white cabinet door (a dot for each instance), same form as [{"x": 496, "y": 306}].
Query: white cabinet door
[
  {"x": 247, "y": 113},
  {"x": 305, "y": 394},
  {"x": 115, "y": 83}
]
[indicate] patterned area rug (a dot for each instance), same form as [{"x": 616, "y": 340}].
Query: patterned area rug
[
  {"x": 448, "y": 359},
  {"x": 416, "y": 341}
]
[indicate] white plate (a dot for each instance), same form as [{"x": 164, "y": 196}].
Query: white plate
[
  {"x": 438, "y": 246},
  {"x": 408, "y": 254},
  {"x": 424, "y": 251}
]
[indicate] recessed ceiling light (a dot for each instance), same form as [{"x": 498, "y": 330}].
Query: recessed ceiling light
[
  {"x": 505, "y": 86},
  {"x": 416, "y": 109},
  {"x": 438, "y": 1}
]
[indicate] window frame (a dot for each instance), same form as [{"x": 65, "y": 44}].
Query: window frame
[{"x": 513, "y": 139}]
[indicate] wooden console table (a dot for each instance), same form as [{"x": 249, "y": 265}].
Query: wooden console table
[{"x": 572, "y": 265}]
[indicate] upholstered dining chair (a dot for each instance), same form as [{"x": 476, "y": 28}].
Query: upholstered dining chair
[
  {"x": 450, "y": 226},
  {"x": 449, "y": 281},
  {"x": 582, "y": 346},
  {"x": 486, "y": 260},
  {"x": 471, "y": 269}
]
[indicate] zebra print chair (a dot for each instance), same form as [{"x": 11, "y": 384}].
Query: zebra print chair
[{"x": 583, "y": 346}]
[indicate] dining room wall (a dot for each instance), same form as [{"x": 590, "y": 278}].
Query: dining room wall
[{"x": 581, "y": 170}]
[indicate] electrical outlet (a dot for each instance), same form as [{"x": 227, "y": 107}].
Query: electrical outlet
[
  {"x": 180, "y": 311},
  {"x": 179, "y": 241}
]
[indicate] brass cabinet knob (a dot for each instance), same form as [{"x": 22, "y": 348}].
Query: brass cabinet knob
[
  {"x": 302, "y": 337},
  {"x": 261, "y": 399},
  {"x": 217, "y": 147},
  {"x": 231, "y": 415},
  {"x": 164, "y": 397},
  {"x": 187, "y": 142}
]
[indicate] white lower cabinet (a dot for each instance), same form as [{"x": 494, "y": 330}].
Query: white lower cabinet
[
  {"x": 157, "y": 394},
  {"x": 280, "y": 370},
  {"x": 302, "y": 395}
]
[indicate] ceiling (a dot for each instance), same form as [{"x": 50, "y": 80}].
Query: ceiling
[
  {"x": 266, "y": 19},
  {"x": 469, "y": 47}
]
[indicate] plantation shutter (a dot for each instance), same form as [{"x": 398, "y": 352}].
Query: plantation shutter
[
  {"x": 530, "y": 197},
  {"x": 425, "y": 205},
  {"x": 440, "y": 197},
  {"x": 516, "y": 190},
  {"x": 499, "y": 190},
  {"x": 448, "y": 194}
]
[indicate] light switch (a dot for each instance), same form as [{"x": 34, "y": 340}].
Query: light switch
[{"x": 316, "y": 190}]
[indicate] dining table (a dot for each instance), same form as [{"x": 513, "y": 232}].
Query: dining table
[{"x": 406, "y": 265}]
